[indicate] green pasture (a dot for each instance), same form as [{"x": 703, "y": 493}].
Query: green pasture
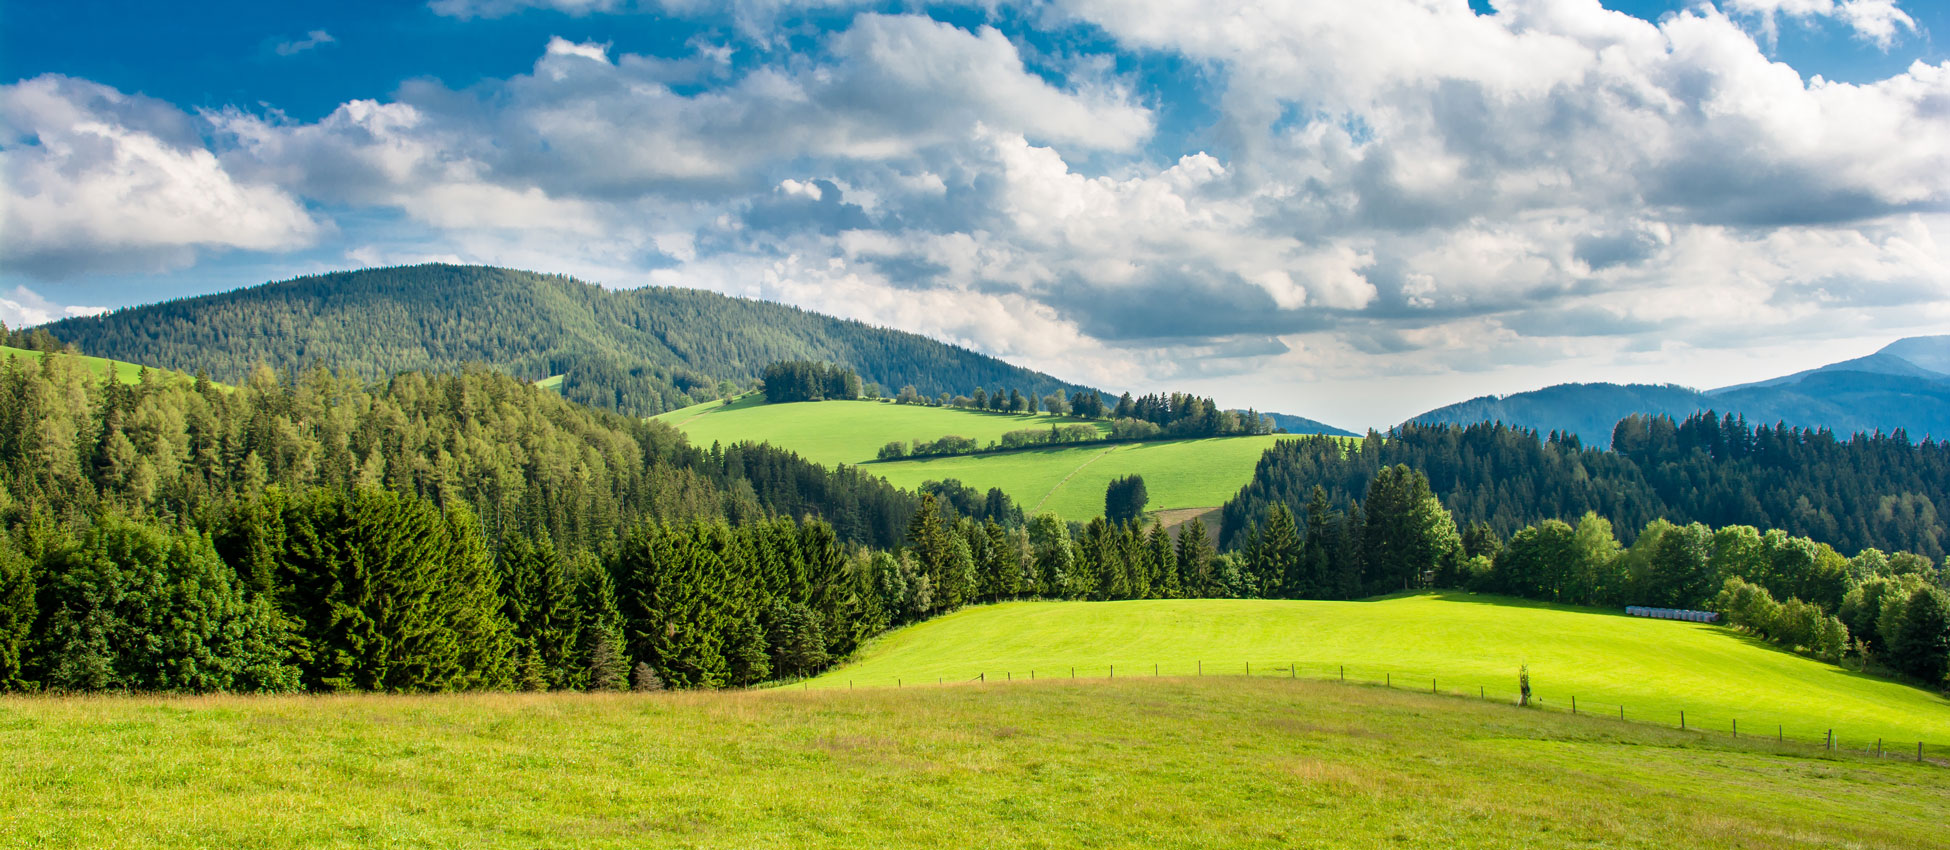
[
  {"x": 1209, "y": 763},
  {"x": 836, "y": 432},
  {"x": 1070, "y": 482},
  {"x": 1653, "y": 668},
  {"x": 1066, "y": 480},
  {"x": 127, "y": 373}
]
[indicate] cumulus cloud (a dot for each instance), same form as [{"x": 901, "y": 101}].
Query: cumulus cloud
[
  {"x": 23, "y": 307},
  {"x": 1396, "y": 189},
  {"x": 100, "y": 180},
  {"x": 1878, "y": 21}
]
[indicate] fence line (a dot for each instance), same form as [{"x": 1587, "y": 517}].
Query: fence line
[{"x": 1828, "y": 742}]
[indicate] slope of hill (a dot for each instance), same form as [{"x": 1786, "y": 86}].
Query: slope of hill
[
  {"x": 1654, "y": 668},
  {"x": 641, "y": 351},
  {"x": 1211, "y": 763},
  {"x": 1070, "y": 481},
  {"x": 1066, "y": 480},
  {"x": 127, "y": 373},
  {"x": 836, "y": 432},
  {"x": 1903, "y": 386}
]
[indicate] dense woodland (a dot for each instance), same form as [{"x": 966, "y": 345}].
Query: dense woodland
[
  {"x": 422, "y": 533},
  {"x": 1879, "y": 491},
  {"x": 638, "y": 351}
]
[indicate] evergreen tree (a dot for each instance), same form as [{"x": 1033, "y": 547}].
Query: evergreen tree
[
  {"x": 1922, "y": 648},
  {"x": 133, "y": 606},
  {"x": 1278, "y": 565},
  {"x": 1195, "y": 560},
  {"x": 1124, "y": 499}
]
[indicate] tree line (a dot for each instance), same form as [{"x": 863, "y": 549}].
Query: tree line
[
  {"x": 1800, "y": 593},
  {"x": 1864, "y": 491},
  {"x": 805, "y": 380}
]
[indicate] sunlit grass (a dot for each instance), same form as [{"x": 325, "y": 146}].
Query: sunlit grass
[
  {"x": 1466, "y": 644},
  {"x": 1168, "y": 763}
]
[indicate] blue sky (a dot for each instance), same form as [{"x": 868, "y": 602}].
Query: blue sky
[{"x": 1350, "y": 211}]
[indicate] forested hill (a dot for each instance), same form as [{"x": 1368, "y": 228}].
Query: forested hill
[
  {"x": 641, "y": 351},
  {"x": 1900, "y": 387}
]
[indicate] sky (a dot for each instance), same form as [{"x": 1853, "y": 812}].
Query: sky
[{"x": 1353, "y": 211}]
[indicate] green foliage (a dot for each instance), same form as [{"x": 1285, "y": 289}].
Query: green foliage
[
  {"x": 136, "y": 606},
  {"x": 1922, "y": 647},
  {"x": 803, "y": 380},
  {"x": 1409, "y": 536},
  {"x": 1868, "y": 490},
  {"x": 1124, "y": 499},
  {"x": 389, "y": 594}
]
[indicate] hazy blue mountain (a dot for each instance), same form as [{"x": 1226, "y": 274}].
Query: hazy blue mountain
[
  {"x": 1302, "y": 425},
  {"x": 1903, "y": 386}
]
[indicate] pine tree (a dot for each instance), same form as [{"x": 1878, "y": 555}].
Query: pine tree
[
  {"x": 1922, "y": 647},
  {"x": 1163, "y": 562},
  {"x": 1195, "y": 560},
  {"x": 1278, "y": 566}
]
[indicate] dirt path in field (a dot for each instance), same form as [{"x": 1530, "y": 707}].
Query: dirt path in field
[{"x": 1066, "y": 478}]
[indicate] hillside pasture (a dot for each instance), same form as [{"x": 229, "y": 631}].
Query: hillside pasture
[
  {"x": 1066, "y": 480},
  {"x": 127, "y": 373},
  {"x": 836, "y": 432},
  {"x": 1468, "y": 644}
]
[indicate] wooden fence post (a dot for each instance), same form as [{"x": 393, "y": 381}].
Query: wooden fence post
[
  {"x": 1432, "y": 685},
  {"x": 1113, "y": 671},
  {"x": 1389, "y": 680},
  {"x": 1919, "y": 752},
  {"x": 1682, "y": 720},
  {"x": 1574, "y": 705}
]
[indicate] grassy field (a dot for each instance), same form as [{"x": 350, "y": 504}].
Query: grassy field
[
  {"x": 1174, "y": 763},
  {"x": 1654, "y": 668},
  {"x": 836, "y": 432},
  {"x": 127, "y": 373},
  {"x": 1068, "y": 481}
]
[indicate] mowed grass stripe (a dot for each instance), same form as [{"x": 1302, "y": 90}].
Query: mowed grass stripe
[
  {"x": 1188, "y": 763},
  {"x": 1655, "y": 668}
]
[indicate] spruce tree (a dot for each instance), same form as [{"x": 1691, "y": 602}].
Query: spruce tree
[
  {"x": 1195, "y": 560},
  {"x": 1922, "y": 647}
]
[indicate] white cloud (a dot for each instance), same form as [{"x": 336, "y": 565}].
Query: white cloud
[
  {"x": 96, "y": 179},
  {"x": 466, "y": 9},
  {"x": 1878, "y": 21},
  {"x": 312, "y": 40},
  {"x": 24, "y": 307},
  {"x": 1396, "y": 189}
]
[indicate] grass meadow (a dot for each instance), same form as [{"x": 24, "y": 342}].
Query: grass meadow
[
  {"x": 1066, "y": 480},
  {"x": 1186, "y": 762},
  {"x": 1471, "y": 645},
  {"x": 127, "y": 373}
]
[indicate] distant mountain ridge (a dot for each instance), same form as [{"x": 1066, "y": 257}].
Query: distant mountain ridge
[
  {"x": 1302, "y": 425},
  {"x": 638, "y": 351},
  {"x": 1904, "y": 386}
]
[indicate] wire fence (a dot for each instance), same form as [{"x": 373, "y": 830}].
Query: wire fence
[{"x": 1796, "y": 733}]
